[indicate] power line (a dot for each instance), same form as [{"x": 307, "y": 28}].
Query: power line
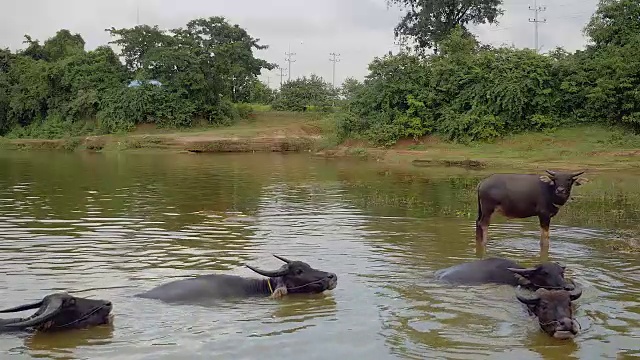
[
  {"x": 334, "y": 60},
  {"x": 536, "y": 9},
  {"x": 289, "y": 60}
]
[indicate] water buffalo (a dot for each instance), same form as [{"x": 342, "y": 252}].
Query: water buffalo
[
  {"x": 523, "y": 196},
  {"x": 292, "y": 277},
  {"x": 554, "y": 310},
  {"x": 549, "y": 275},
  {"x": 59, "y": 311}
]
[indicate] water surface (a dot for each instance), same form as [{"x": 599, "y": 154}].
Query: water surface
[{"x": 111, "y": 225}]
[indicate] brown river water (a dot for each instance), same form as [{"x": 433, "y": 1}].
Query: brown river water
[{"x": 115, "y": 224}]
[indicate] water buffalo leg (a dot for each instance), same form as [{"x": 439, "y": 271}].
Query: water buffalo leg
[
  {"x": 545, "y": 221},
  {"x": 482, "y": 229}
]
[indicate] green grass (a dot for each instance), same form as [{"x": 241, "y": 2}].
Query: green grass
[{"x": 570, "y": 148}]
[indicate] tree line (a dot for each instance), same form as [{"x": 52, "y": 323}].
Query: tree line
[
  {"x": 207, "y": 72},
  {"x": 468, "y": 91}
]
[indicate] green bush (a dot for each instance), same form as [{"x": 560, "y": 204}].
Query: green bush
[
  {"x": 126, "y": 107},
  {"x": 468, "y": 92},
  {"x": 305, "y": 94},
  {"x": 244, "y": 110},
  {"x": 59, "y": 82}
]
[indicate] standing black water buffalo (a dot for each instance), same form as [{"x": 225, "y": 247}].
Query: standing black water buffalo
[
  {"x": 549, "y": 275},
  {"x": 292, "y": 277},
  {"x": 554, "y": 310},
  {"x": 58, "y": 312},
  {"x": 523, "y": 196}
]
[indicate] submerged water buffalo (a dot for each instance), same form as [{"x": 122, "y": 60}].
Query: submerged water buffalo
[
  {"x": 523, "y": 196},
  {"x": 554, "y": 310},
  {"x": 57, "y": 312},
  {"x": 291, "y": 277},
  {"x": 549, "y": 275}
]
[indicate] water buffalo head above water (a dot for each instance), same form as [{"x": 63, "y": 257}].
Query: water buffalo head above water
[
  {"x": 59, "y": 311},
  {"x": 561, "y": 182},
  {"x": 548, "y": 275},
  {"x": 554, "y": 310},
  {"x": 297, "y": 277}
]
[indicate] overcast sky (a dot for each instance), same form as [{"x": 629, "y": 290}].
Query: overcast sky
[{"x": 357, "y": 29}]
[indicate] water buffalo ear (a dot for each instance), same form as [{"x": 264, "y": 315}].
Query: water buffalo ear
[{"x": 546, "y": 179}]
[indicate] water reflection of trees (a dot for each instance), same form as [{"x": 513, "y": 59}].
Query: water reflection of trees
[
  {"x": 158, "y": 206},
  {"x": 607, "y": 201}
]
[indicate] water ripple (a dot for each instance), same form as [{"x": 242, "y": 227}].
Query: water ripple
[{"x": 111, "y": 227}]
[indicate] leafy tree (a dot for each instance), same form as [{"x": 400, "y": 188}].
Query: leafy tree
[
  {"x": 82, "y": 81},
  {"x": 298, "y": 94},
  {"x": 604, "y": 78},
  {"x": 5, "y": 91},
  {"x": 465, "y": 93},
  {"x": 148, "y": 104},
  {"x": 63, "y": 45},
  {"x": 34, "y": 50},
  {"x": 615, "y": 22},
  {"x": 29, "y": 91},
  {"x": 136, "y": 42},
  {"x": 228, "y": 54},
  {"x": 210, "y": 62},
  {"x": 431, "y": 21},
  {"x": 261, "y": 93},
  {"x": 350, "y": 88}
]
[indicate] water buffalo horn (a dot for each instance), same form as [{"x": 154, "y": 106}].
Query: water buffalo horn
[
  {"x": 528, "y": 299},
  {"x": 521, "y": 271},
  {"x": 577, "y": 174},
  {"x": 52, "y": 307},
  {"x": 284, "y": 270},
  {"x": 23, "y": 307},
  {"x": 283, "y": 259},
  {"x": 576, "y": 292},
  {"x": 552, "y": 173}
]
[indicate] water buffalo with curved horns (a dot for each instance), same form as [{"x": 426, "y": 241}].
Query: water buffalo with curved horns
[
  {"x": 292, "y": 277},
  {"x": 554, "y": 310},
  {"x": 522, "y": 196},
  {"x": 548, "y": 275},
  {"x": 57, "y": 312}
]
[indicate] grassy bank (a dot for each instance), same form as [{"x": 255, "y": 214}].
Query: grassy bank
[
  {"x": 263, "y": 131},
  {"x": 591, "y": 147},
  {"x": 570, "y": 148}
]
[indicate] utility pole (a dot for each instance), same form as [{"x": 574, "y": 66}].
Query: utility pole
[
  {"x": 282, "y": 75},
  {"x": 400, "y": 42},
  {"x": 536, "y": 9},
  {"x": 138, "y": 12},
  {"x": 289, "y": 60},
  {"x": 334, "y": 59}
]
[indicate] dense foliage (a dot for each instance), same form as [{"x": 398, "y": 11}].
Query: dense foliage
[
  {"x": 198, "y": 71},
  {"x": 466, "y": 91},
  {"x": 469, "y": 91},
  {"x": 428, "y": 22},
  {"x": 302, "y": 93}
]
